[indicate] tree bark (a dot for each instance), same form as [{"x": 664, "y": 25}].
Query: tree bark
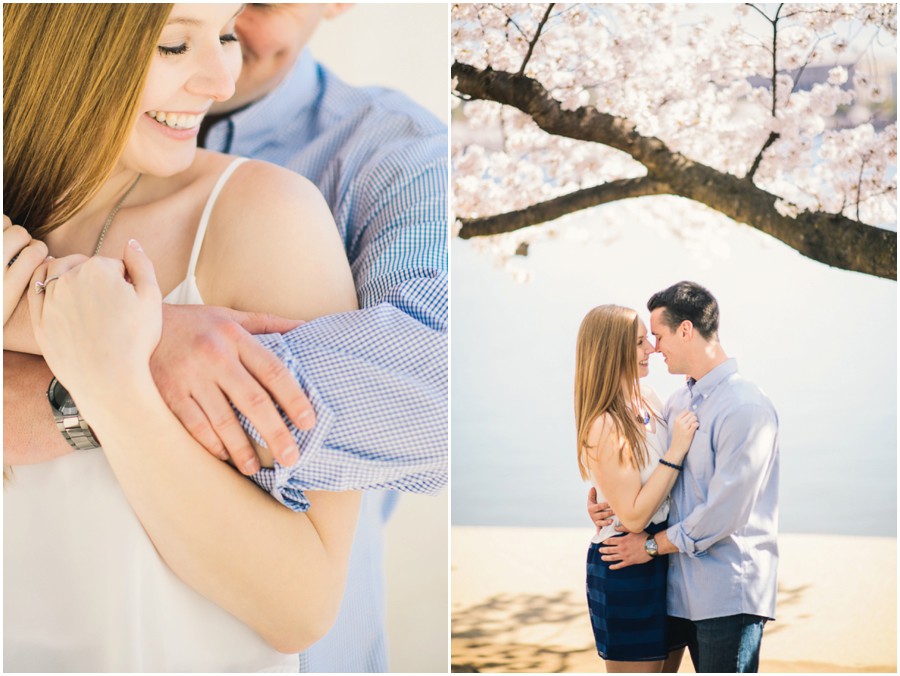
[{"x": 831, "y": 239}]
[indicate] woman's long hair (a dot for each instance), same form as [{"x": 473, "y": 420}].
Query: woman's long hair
[
  {"x": 607, "y": 381},
  {"x": 73, "y": 75}
]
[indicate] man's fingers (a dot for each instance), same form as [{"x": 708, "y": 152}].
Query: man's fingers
[
  {"x": 197, "y": 424},
  {"x": 227, "y": 426},
  {"x": 255, "y": 403},
  {"x": 272, "y": 374},
  {"x": 263, "y": 322}
]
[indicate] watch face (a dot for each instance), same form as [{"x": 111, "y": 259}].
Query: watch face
[{"x": 60, "y": 398}]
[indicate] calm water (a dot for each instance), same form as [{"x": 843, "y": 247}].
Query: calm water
[{"x": 821, "y": 342}]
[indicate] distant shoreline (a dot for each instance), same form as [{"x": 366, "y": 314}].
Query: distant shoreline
[{"x": 517, "y": 599}]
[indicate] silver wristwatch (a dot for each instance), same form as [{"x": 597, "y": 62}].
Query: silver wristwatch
[
  {"x": 651, "y": 547},
  {"x": 69, "y": 422}
]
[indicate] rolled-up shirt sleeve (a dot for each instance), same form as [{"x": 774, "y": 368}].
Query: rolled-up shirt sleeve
[
  {"x": 377, "y": 380},
  {"x": 745, "y": 447}
]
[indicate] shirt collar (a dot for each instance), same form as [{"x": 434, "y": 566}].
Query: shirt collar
[
  {"x": 299, "y": 91},
  {"x": 711, "y": 380}
]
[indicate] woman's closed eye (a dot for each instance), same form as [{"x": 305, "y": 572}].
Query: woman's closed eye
[
  {"x": 174, "y": 50},
  {"x": 166, "y": 50}
]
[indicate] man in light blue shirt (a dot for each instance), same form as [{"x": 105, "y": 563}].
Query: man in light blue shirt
[{"x": 722, "y": 572}]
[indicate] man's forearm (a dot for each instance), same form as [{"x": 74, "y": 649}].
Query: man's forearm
[
  {"x": 663, "y": 544},
  {"x": 29, "y": 432}
]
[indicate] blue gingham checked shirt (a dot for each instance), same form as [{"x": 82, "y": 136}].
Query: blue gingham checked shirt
[{"x": 377, "y": 377}]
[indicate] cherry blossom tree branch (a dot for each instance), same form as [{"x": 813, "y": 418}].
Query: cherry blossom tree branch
[
  {"x": 862, "y": 168},
  {"x": 773, "y": 136},
  {"x": 537, "y": 35},
  {"x": 560, "y": 206},
  {"x": 831, "y": 239}
]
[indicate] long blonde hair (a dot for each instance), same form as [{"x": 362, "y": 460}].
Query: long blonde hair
[
  {"x": 605, "y": 358},
  {"x": 73, "y": 75}
]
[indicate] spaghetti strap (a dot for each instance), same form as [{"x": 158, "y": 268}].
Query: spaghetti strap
[{"x": 207, "y": 210}]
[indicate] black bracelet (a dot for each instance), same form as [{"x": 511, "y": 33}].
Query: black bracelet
[{"x": 672, "y": 465}]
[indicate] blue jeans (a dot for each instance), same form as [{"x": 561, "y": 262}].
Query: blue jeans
[{"x": 722, "y": 644}]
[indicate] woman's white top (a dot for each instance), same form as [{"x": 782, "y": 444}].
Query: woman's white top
[
  {"x": 657, "y": 444},
  {"x": 83, "y": 587}
]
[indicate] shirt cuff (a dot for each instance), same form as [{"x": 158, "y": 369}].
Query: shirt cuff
[
  {"x": 682, "y": 542},
  {"x": 285, "y": 483}
]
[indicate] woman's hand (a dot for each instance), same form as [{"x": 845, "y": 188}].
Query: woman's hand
[
  {"x": 97, "y": 320},
  {"x": 25, "y": 255},
  {"x": 683, "y": 432}
]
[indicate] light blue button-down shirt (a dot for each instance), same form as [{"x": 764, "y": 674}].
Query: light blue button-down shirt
[
  {"x": 725, "y": 505},
  {"x": 376, "y": 377}
]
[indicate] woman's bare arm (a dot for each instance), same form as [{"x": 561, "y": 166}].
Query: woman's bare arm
[{"x": 633, "y": 503}]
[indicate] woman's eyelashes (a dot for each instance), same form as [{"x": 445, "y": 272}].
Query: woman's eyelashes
[
  {"x": 166, "y": 50},
  {"x": 172, "y": 51}
]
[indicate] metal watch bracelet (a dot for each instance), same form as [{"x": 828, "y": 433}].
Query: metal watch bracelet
[
  {"x": 77, "y": 432},
  {"x": 69, "y": 422}
]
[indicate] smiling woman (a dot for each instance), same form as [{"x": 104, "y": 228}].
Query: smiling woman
[
  {"x": 149, "y": 554},
  {"x": 70, "y": 161}
]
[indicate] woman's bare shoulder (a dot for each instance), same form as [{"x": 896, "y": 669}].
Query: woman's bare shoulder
[
  {"x": 270, "y": 230},
  {"x": 603, "y": 433},
  {"x": 606, "y": 447},
  {"x": 257, "y": 187}
]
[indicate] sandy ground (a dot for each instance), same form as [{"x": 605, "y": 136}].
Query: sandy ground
[{"x": 518, "y": 605}]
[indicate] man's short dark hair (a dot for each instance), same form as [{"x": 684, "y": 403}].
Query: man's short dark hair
[{"x": 688, "y": 301}]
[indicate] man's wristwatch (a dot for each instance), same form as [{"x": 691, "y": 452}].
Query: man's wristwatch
[
  {"x": 69, "y": 422},
  {"x": 651, "y": 547}
]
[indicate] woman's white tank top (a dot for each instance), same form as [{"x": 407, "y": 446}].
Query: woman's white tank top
[{"x": 85, "y": 590}]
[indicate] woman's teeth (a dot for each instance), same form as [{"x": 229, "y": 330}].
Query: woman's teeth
[{"x": 176, "y": 120}]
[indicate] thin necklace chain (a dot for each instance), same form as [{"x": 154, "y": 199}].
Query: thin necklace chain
[{"x": 112, "y": 214}]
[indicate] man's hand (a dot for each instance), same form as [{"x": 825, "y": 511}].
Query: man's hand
[
  {"x": 626, "y": 550},
  {"x": 601, "y": 514},
  {"x": 208, "y": 357}
]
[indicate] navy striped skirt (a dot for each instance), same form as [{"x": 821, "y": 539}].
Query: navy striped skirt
[{"x": 628, "y": 607}]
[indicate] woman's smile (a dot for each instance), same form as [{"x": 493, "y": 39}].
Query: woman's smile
[
  {"x": 176, "y": 126},
  {"x": 177, "y": 120}
]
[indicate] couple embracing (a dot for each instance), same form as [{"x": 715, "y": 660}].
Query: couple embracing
[{"x": 685, "y": 552}]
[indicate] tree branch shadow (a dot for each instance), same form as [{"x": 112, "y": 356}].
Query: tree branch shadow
[
  {"x": 488, "y": 636},
  {"x": 483, "y": 636}
]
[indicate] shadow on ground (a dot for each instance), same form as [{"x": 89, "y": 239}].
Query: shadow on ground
[
  {"x": 484, "y": 635},
  {"x": 518, "y": 633}
]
